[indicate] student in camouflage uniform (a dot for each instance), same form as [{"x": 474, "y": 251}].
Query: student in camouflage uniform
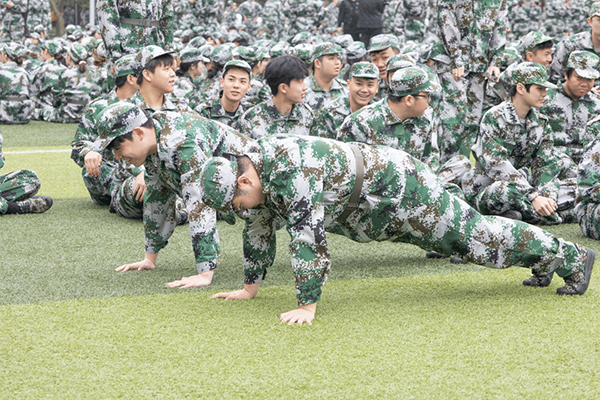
[
  {"x": 15, "y": 105},
  {"x": 258, "y": 60},
  {"x": 362, "y": 86},
  {"x": 38, "y": 13},
  {"x": 172, "y": 146},
  {"x": 525, "y": 17},
  {"x": 284, "y": 112},
  {"x": 588, "y": 181},
  {"x": 472, "y": 34},
  {"x": 323, "y": 86},
  {"x": 381, "y": 49},
  {"x": 76, "y": 88},
  {"x": 156, "y": 79},
  {"x": 219, "y": 56},
  {"x": 13, "y": 21},
  {"x": 569, "y": 108},
  {"x": 189, "y": 76},
  {"x": 406, "y": 19},
  {"x": 235, "y": 83},
  {"x": 588, "y": 41},
  {"x": 45, "y": 83},
  {"x": 251, "y": 12},
  {"x": 18, "y": 189},
  {"x": 309, "y": 182},
  {"x": 109, "y": 182},
  {"x": 517, "y": 172},
  {"x": 128, "y": 25}
]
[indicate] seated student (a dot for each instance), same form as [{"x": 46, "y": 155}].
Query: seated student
[
  {"x": 235, "y": 82},
  {"x": 517, "y": 167},
  {"x": 109, "y": 182},
  {"x": 156, "y": 78},
  {"x": 323, "y": 85},
  {"x": 365, "y": 193},
  {"x": 18, "y": 189},
  {"x": 172, "y": 146},
  {"x": 362, "y": 86},
  {"x": 44, "y": 84},
  {"x": 284, "y": 112},
  {"x": 588, "y": 184},
  {"x": 16, "y": 107},
  {"x": 189, "y": 76}
]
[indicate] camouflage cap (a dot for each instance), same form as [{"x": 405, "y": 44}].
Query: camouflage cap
[
  {"x": 304, "y": 51},
  {"x": 69, "y": 29},
  {"x": 530, "y": 73},
  {"x": 399, "y": 61},
  {"x": 364, "y": 69},
  {"x": 280, "y": 49},
  {"x": 53, "y": 47},
  {"x": 382, "y": 42},
  {"x": 241, "y": 64},
  {"x": 222, "y": 53},
  {"x": 77, "y": 52},
  {"x": 532, "y": 39},
  {"x": 356, "y": 50},
  {"x": 324, "y": 49},
  {"x": 197, "y": 42},
  {"x": 125, "y": 65},
  {"x": 75, "y": 35},
  {"x": 218, "y": 180},
  {"x": 245, "y": 53},
  {"x": 14, "y": 50},
  {"x": 344, "y": 40},
  {"x": 191, "y": 55},
  {"x": 148, "y": 53},
  {"x": 594, "y": 9},
  {"x": 39, "y": 28},
  {"x": 116, "y": 120},
  {"x": 302, "y": 37},
  {"x": 585, "y": 63},
  {"x": 101, "y": 50},
  {"x": 90, "y": 43},
  {"x": 411, "y": 80},
  {"x": 262, "y": 54}
]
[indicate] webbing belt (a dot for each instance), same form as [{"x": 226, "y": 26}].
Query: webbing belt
[
  {"x": 81, "y": 102},
  {"x": 360, "y": 176},
  {"x": 14, "y": 98},
  {"x": 140, "y": 22}
]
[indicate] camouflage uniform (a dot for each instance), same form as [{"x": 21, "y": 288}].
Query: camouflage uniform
[
  {"x": 169, "y": 104},
  {"x": 330, "y": 18},
  {"x": 114, "y": 186},
  {"x": 216, "y": 112},
  {"x": 516, "y": 161},
  {"x": 406, "y": 19},
  {"x": 273, "y": 20},
  {"x": 183, "y": 16},
  {"x": 264, "y": 120},
  {"x": 330, "y": 117},
  {"x": 13, "y": 23},
  {"x": 15, "y": 104},
  {"x": 302, "y": 15},
  {"x": 38, "y": 13},
  {"x": 129, "y": 25},
  {"x": 209, "y": 12},
  {"x": 251, "y": 12},
  {"x": 45, "y": 86},
  {"x": 316, "y": 97},
  {"x": 524, "y": 18},
  {"x": 472, "y": 33},
  {"x": 185, "y": 141},
  {"x": 308, "y": 182},
  {"x": 588, "y": 180}
]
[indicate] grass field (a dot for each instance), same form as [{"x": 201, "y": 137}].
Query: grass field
[{"x": 391, "y": 324}]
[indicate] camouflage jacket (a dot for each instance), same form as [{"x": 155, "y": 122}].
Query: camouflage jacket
[
  {"x": 330, "y": 118},
  {"x": 15, "y": 105},
  {"x": 124, "y": 38},
  {"x": 568, "y": 119},
  {"x": 255, "y": 94},
  {"x": 264, "y": 120},
  {"x": 185, "y": 140},
  {"x": 183, "y": 15},
  {"x": 505, "y": 146},
  {"x": 75, "y": 90},
  {"x": 580, "y": 41},
  {"x": 377, "y": 124},
  {"x": 472, "y": 31},
  {"x": 308, "y": 182},
  {"x": 46, "y": 83},
  {"x": 215, "y": 111},
  {"x": 13, "y": 23},
  {"x": 170, "y": 103},
  {"x": 1, "y": 154},
  {"x": 588, "y": 178},
  {"x": 316, "y": 97},
  {"x": 39, "y": 14}
]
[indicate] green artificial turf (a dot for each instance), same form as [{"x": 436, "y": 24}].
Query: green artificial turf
[{"x": 391, "y": 324}]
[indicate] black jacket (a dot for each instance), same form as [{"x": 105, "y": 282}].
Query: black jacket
[
  {"x": 348, "y": 16},
  {"x": 370, "y": 12}
]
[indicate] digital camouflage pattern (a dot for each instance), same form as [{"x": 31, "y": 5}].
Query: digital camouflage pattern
[
  {"x": 580, "y": 41},
  {"x": 308, "y": 182},
  {"x": 13, "y": 22},
  {"x": 330, "y": 118},
  {"x": 16, "y": 186},
  {"x": 16, "y": 107},
  {"x": 588, "y": 181},
  {"x": 38, "y": 14},
  {"x": 45, "y": 86},
  {"x": 215, "y": 111},
  {"x": 316, "y": 97},
  {"x": 515, "y": 163},
  {"x": 124, "y": 38},
  {"x": 170, "y": 103},
  {"x": 264, "y": 120}
]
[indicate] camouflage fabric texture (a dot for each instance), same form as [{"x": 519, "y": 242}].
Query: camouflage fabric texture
[
  {"x": 215, "y": 111},
  {"x": 588, "y": 181},
  {"x": 316, "y": 97},
  {"x": 16, "y": 107},
  {"x": 308, "y": 181},
  {"x": 330, "y": 118}
]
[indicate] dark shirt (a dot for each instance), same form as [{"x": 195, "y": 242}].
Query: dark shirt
[
  {"x": 370, "y": 12},
  {"x": 348, "y": 16}
]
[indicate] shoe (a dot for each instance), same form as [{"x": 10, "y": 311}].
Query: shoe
[
  {"x": 433, "y": 254},
  {"x": 539, "y": 280},
  {"x": 36, "y": 205},
  {"x": 456, "y": 260},
  {"x": 512, "y": 214},
  {"x": 181, "y": 217},
  {"x": 580, "y": 280}
]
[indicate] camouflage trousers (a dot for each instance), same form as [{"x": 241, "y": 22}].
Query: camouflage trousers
[
  {"x": 415, "y": 30},
  {"x": 498, "y": 197},
  {"x": 17, "y": 186},
  {"x": 588, "y": 216},
  {"x": 113, "y": 190},
  {"x": 434, "y": 219},
  {"x": 65, "y": 113},
  {"x": 16, "y": 111}
]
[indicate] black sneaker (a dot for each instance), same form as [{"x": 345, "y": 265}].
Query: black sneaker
[
  {"x": 36, "y": 205},
  {"x": 541, "y": 280},
  {"x": 513, "y": 214},
  {"x": 433, "y": 254},
  {"x": 580, "y": 280},
  {"x": 181, "y": 217},
  {"x": 456, "y": 260}
]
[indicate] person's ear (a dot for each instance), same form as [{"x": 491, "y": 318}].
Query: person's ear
[
  {"x": 147, "y": 75},
  {"x": 138, "y": 132},
  {"x": 409, "y": 100},
  {"x": 243, "y": 180},
  {"x": 283, "y": 88},
  {"x": 520, "y": 88}
]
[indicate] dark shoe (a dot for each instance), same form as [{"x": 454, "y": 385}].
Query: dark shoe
[
  {"x": 580, "y": 280},
  {"x": 36, "y": 204},
  {"x": 512, "y": 214},
  {"x": 181, "y": 217},
  {"x": 541, "y": 280},
  {"x": 433, "y": 254},
  {"x": 456, "y": 260}
]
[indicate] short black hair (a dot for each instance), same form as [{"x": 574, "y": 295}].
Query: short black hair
[
  {"x": 118, "y": 141},
  {"x": 395, "y": 99},
  {"x": 542, "y": 46},
  {"x": 284, "y": 69},
  {"x": 394, "y": 49},
  {"x": 120, "y": 81},
  {"x": 569, "y": 72},
  {"x": 166, "y": 60},
  {"x": 513, "y": 89},
  {"x": 184, "y": 67}
]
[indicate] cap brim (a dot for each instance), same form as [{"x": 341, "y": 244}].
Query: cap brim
[{"x": 588, "y": 73}]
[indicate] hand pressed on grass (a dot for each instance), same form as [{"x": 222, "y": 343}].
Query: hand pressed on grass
[
  {"x": 300, "y": 315},
  {"x": 247, "y": 293},
  {"x": 200, "y": 280},
  {"x": 149, "y": 262}
]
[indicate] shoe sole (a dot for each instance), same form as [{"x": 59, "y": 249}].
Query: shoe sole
[
  {"x": 587, "y": 274},
  {"x": 527, "y": 282},
  {"x": 434, "y": 255}
]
